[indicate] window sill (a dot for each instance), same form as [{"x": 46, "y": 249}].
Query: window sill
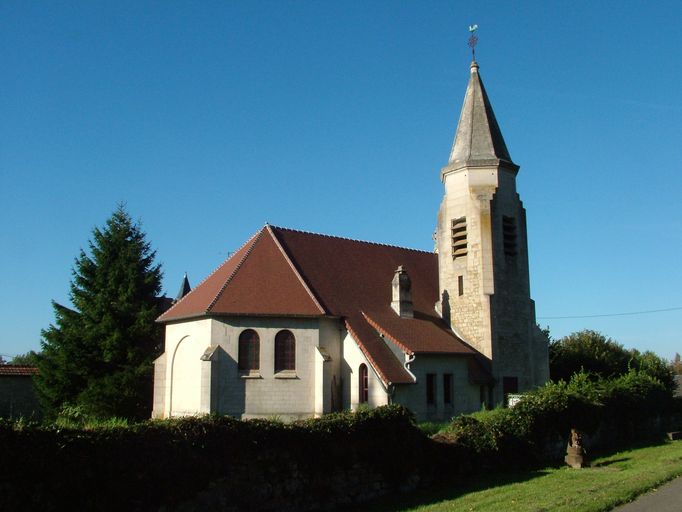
[
  {"x": 286, "y": 374},
  {"x": 253, "y": 374}
]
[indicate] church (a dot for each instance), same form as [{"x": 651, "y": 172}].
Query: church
[{"x": 297, "y": 324}]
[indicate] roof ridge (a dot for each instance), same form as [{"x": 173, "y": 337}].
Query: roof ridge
[
  {"x": 295, "y": 270},
  {"x": 255, "y": 239},
  {"x": 211, "y": 274},
  {"x": 367, "y": 242}
]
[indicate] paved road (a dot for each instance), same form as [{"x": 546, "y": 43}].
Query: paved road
[{"x": 667, "y": 498}]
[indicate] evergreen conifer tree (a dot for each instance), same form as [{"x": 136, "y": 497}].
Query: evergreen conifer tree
[{"x": 99, "y": 354}]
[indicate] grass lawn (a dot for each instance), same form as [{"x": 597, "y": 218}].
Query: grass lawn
[{"x": 610, "y": 481}]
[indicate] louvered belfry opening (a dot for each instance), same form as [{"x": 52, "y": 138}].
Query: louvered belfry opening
[
  {"x": 459, "y": 237},
  {"x": 509, "y": 235}
]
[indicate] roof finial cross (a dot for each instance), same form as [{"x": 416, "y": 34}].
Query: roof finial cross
[{"x": 473, "y": 40}]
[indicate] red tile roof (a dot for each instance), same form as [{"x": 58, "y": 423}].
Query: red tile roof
[
  {"x": 283, "y": 272},
  {"x": 237, "y": 286},
  {"x": 16, "y": 370}
]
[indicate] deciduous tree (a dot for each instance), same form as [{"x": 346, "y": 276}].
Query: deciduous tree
[
  {"x": 593, "y": 352},
  {"x": 30, "y": 358}
]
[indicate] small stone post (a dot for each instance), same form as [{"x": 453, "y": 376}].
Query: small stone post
[{"x": 575, "y": 455}]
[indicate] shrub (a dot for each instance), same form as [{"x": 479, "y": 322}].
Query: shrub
[
  {"x": 431, "y": 428},
  {"x": 555, "y": 408},
  {"x": 523, "y": 434},
  {"x": 636, "y": 394},
  {"x": 164, "y": 462}
]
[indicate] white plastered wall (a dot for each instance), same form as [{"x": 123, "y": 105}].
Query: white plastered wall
[
  {"x": 185, "y": 344},
  {"x": 328, "y": 367},
  {"x": 353, "y": 357},
  {"x": 263, "y": 394},
  {"x": 191, "y": 385},
  {"x": 302, "y": 393},
  {"x": 465, "y": 396}
]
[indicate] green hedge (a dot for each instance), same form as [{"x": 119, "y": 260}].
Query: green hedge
[
  {"x": 615, "y": 412},
  {"x": 260, "y": 465},
  {"x": 144, "y": 466}
]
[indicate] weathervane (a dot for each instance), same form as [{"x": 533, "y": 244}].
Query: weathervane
[{"x": 473, "y": 40}]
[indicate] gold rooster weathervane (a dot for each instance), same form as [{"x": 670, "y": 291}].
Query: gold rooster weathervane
[{"x": 473, "y": 40}]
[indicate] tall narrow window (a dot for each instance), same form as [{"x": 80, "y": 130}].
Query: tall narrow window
[
  {"x": 363, "y": 384},
  {"x": 431, "y": 389},
  {"x": 285, "y": 351},
  {"x": 447, "y": 388},
  {"x": 460, "y": 285},
  {"x": 509, "y": 235},
  {"x": 249, "y": 350},
  {"x": 459, "y": 237}
]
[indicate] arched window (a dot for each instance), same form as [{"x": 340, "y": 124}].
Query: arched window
[
  {"x": 285, "y": 351},
  {"x": 249, "y": 350},
  {"x": 363, "y": 384}
]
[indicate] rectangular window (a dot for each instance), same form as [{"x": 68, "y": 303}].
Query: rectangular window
[
  {"x": 447, "y": 388},
  {"x": 431, "y": 389},
  {"x": 460, "y": 285},
  {"x": 459, "y": 237}
]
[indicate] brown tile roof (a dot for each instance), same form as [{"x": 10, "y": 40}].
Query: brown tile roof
[
  {"x": 419, "y": 335},
  {"x": 16, "y": 370},
  {"x": 387, "y": 366},
  {"x": 283, "y": 272},
  {"x": 257, "y": 280}
]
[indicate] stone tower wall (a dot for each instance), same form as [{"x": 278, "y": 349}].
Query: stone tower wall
[
  {"x": 494, "y": 313},
  {"x": 467, "y": 194}
]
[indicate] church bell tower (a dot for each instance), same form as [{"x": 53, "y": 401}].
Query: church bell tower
[{"x": 483, "y": 251}]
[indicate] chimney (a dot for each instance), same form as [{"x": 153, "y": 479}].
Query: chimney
[{"x": 402, "y": 295}]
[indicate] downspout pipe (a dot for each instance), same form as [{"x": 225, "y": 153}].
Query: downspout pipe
[{"x": 409, "y": 360}]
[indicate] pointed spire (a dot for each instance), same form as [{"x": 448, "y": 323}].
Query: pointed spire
[
  {"x": 478, "y": 139},
  {"x": 185, "y": 288}
]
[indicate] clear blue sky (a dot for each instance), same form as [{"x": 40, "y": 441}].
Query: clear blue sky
[{"x": 211, "y": 118}]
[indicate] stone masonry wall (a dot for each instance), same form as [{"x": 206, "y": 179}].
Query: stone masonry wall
[{"x": 494, "y": 312}]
